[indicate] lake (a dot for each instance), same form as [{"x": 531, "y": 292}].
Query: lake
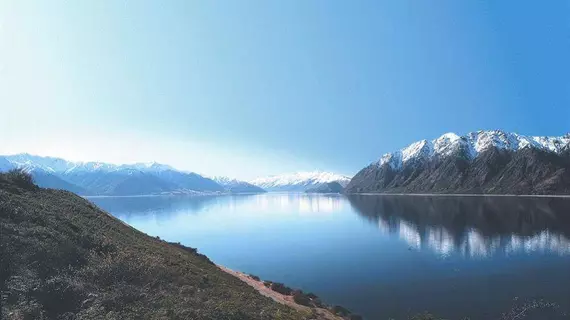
[{"x": 381, "y": 256}]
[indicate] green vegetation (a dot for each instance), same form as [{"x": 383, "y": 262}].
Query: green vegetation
[
  {"x": 21, "y": 179},
  {"x": 281, "y": 288},
  {"x": 341, "y": 311},
  {"x": 310, "y": 300},
  {"x": 254, "y": 277},
  {"x": 63, "y": 258},
  {"x": 300, "y": 298}
]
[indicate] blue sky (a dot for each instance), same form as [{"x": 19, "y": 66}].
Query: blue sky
[{"x": 249, "y": 88}]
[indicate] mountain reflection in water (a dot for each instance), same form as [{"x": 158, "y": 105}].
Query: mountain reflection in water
[
  {"x": 471, "y": 226},
  {"x": 381, "y": 256},
  {"x": 174, "y": 205}
]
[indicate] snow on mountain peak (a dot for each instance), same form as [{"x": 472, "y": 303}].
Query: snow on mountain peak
[
  {"x": 30, "y": 163},
  {"x": 474, "y": 143},
  {"x": 56, "y": 165},
  {"x": 299, "y": 180},
  {"x": 446, "y": 144},
  {"x": 148, "y": 166},
  {"x": 224, "y": 180}
]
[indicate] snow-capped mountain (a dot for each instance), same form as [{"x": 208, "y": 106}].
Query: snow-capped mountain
[
  {"x": 237, "y": 186},
  {"x": 99, "y": 178},
  {"x": 473, "y": 143},
  {"x": 30, "y": 162},
  {"x": 329, "y": 187},
  {"x": 299, "y": 182},
  {"x": 478, "y": 162}
]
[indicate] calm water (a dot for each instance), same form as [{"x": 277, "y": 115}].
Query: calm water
[{"x": 380, "y": 256}]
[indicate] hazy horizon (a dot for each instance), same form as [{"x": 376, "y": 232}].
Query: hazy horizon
[
  {"x": 273, "y": 87},
  {"x": 179, "y": 169},
  {"x": 214, "y": 174}
]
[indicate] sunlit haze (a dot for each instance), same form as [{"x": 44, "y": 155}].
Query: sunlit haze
[{"x": 224, "y": 88}]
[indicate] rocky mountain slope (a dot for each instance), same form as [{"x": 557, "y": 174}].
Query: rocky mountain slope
[
  {"x": 98, "y": 178},
  {"x": 299, "y": 182},
  {"x": 494, "y": 162}
]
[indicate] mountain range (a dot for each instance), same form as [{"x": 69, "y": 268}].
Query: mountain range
[
  {"x": 99, "y": 178},
  {"x": 300, "y": 181},
  {"x": 482, "y": 162},
  {"x": 237, "y": 186},
  {"x": 329, "y": 187},
  {"x": 494, "y": 162}
]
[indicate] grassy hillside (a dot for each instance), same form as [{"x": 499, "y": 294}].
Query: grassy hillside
[{"x": 63, "y": 258}]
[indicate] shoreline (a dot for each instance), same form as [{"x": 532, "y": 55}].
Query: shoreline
[
  {"x": 460, "y": 195},
  {"x": 173, "y": 195},
  {"x": 341, "y": 194},
  {"x": 321, "y": 313}
]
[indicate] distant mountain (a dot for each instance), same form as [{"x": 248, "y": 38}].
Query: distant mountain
[
  {"x": 5, "y": 165},
  {"x": 33, "y": 162},
  {"x": 188, "y": 181},
  {"x": 299, "y": 182},
  {"x": 329, "y": 187},
  {"x": 480, "y": 162},
  {"x": 50, "y": 180},
  {"x": 42, "y": 177},
  {"x": 237, "y": 186},
  {"x": 58, "y": 165},
  {"x": 119, "y": 183},
  {"x": 98, "y": 178}
]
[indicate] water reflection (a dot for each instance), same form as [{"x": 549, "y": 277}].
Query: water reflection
[
  {"x": 301, "y": 203},
  {"x": 152, "y": 205},
  {"x": 472, "y": 226},
  {"x": 320, "y": 243},
  {"x": 165, "y": 206}
]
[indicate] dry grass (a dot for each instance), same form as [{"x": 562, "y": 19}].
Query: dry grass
[{"x": 63, "y": 258}]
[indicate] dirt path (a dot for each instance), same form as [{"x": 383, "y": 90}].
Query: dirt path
[{"x": 323, "y": 314}]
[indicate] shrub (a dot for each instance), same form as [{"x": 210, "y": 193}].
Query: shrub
[
  {"x": 117, "y": 268},
  {"x": 281, "y": 288},
  {"x": 340, "y": 311},
  {"x": 300, "y": 298},
  {"x": 191, "y": 250},
  {"x": 183, "y": 247},
  {"x": 22, "y": 179},
  {"x": 267, "y": 283},
  {"x": 312, "y": 295},
  {"x": 318, "y": 303},
  {"x": 254, "y": 277},
  {"x": 59, "y": 295},
  {"x": 122, "y": 295}
]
